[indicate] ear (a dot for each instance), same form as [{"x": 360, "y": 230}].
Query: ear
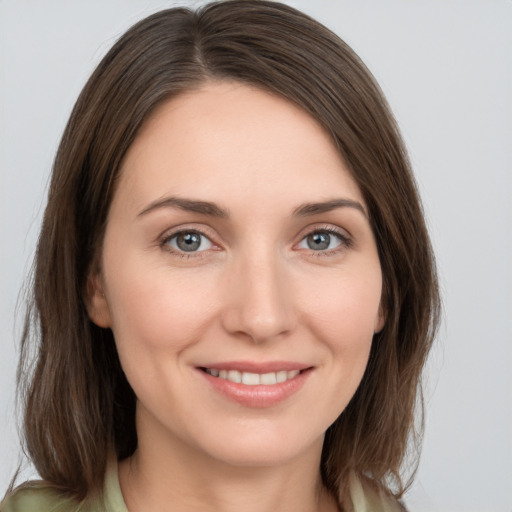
[
  {"x": 96, "y": 302},
  {"x": 380, "y": 319}
]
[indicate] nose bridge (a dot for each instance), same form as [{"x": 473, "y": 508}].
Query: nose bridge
[{"x": 260, "y": 303}]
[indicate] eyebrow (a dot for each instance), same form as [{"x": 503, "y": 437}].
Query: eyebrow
[
  {"x": 189, "y": 205},
  {"x": 327, "y": 206},
  {"x": 213, "y": 210}
]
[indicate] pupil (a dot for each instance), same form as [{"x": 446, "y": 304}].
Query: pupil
[
  {"x": 319, "y": 241},
  {"x": 189, "y": 242}
]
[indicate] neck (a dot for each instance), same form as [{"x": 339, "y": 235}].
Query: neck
[{"x": 174, "y": 477}]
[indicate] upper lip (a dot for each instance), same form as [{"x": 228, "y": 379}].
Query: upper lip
[{"x": 257, "y": 367}]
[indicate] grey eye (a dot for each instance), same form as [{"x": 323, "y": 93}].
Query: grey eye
[
  {"x": 320, "y": 241},
  {"x": 189, "y": 241}
]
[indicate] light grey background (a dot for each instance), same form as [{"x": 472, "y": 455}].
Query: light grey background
[{"x": 445, "y": 66}]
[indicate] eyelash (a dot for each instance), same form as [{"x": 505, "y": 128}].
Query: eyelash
[
  {"x": 345, "y": 242},
  {"x": 164, "y": 244}
]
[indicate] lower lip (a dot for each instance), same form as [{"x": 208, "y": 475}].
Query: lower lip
[{"x": 259, "y": 396}]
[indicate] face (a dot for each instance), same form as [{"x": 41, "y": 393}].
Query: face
[{"x": 240, "y": 277}]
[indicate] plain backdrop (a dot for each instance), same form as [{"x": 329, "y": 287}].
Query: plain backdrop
[{"x": 446, "y": 68}]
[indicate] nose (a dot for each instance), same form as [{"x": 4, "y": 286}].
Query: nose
[{"x": 259, "y": 299}]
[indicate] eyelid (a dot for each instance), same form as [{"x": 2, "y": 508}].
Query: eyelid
[
  {"x": 204, "y": 230},
  {"x": 168, "y": 234},
  {"x": 345, "y": 237},
  {"x": 173, "y": 242}
]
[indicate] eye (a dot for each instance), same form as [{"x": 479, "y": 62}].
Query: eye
[
  {"x": 189, "y": 241},
  {"x": 322, "y": 241}
]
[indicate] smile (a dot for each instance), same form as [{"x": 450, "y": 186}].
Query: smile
[
  {"x": 253, "y": 379},
  {"x": 256, "y": 385}
]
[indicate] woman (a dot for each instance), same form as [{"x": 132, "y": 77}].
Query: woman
[{"x": 234, "y": 290}]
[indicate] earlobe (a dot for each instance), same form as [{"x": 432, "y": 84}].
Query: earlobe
[{"x": 96, "y": 302}]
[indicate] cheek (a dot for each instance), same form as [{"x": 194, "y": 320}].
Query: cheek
[
  {"x": 350, "y": 337},
  {"x": 345, "y": 308},
  {"x": 157, "y": 309},
  {"x": 342, "y": 319}
]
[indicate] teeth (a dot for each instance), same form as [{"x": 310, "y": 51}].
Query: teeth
[
  {"x": 234, "y": 376},
  {"x": 282, "y": 376},
  {"x": 253, "y": 379},
  {"x": 268, "y": 379},
  {"x": 250, "y": 379}
]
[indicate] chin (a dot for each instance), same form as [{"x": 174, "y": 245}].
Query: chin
[{"x": 261, "y": 448}]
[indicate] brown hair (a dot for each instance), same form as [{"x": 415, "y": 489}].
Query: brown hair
[{"x": 78, "y": 404}]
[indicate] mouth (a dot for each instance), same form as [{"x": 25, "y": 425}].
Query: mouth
[
  {"x": 256, "y": 384},
  {"x": 252, "y": 378}
]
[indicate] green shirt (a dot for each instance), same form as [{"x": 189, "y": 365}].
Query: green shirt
[{"x": 38, "y": 497}]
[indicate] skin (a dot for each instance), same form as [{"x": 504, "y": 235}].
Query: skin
[{"x": 254, "y": 291}]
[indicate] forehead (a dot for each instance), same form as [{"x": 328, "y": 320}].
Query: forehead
[{"x": 229, "y": 139}]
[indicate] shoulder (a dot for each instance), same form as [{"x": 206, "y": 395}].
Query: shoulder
[
  {"x": 38, "y": 497},
  {"x": 367, "y": 496}
]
